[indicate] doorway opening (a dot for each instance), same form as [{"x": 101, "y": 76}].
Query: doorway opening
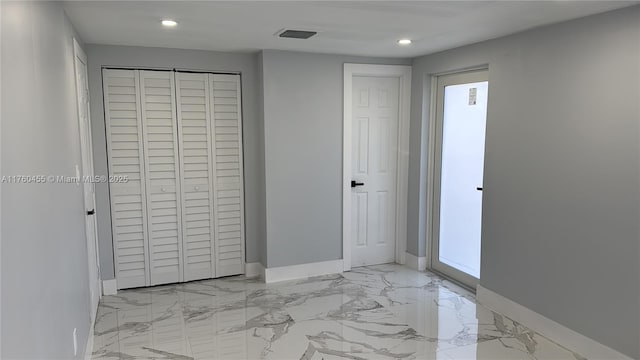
[
  {"x": 461, "y": 101},
  {"x": 87, "y": 172},
  {"x": 375, "y": 163}
]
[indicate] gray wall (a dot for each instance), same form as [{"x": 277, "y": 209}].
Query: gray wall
[
  {"x": 45, "y": 291},
  {"x": 417, "y": 186},
  {"x": 561, "y": 211},
  {"x": 130, "y": 56},
  {"x": 303, "y": 154}
]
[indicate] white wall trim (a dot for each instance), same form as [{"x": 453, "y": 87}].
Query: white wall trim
[
  {"x": 109, "y": 287},
  {"x": 254, "y": 269},
  {"x": 416, "y": 262},
  {"x": 294, "y": 272},
  {"x": 403, "y": 73},
  {"x": 561, "y": 334}
]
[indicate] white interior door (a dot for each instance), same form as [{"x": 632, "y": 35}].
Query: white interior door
[
  {"x": 121, "y": 91},
  {"x": 195, "y": 147},
  {"x": 177, "y": 137},
  {"x": 375, "y": 105},
  {"x": 461, "y": 115},
  {"x": 160, "y": 135},
  {"x": 228, "y": 181},
  {"x": 82, "y": 91}
]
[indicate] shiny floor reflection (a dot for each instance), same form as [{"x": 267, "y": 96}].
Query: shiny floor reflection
[{"x": 376, "y": 312}]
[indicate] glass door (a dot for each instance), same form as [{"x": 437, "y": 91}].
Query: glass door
[{"x": 461, "y": 116}]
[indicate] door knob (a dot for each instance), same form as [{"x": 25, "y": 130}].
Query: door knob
[
  {"x": 354, "y": 183},
  {"x": 91, "y": 212},
  {"x": 196, "y": 188},
  {"x": 479, "y": 188}
]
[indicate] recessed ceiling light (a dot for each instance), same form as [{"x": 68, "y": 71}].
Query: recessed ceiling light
[
  {"x": 404, "y": 42},
  {"x": 169, "y": 23}
]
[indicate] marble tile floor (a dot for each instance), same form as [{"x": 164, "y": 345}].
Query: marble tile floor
[{"x": 376, "y": 312}]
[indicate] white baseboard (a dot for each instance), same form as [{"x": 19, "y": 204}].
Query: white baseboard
[
  {"x": 252, "y": 270},
  {"x": 416, "y": 262},
  {"x": 302, "y": 271},
  {"x": 109, "y": 287},
  {"x": 561, "y": 334}
]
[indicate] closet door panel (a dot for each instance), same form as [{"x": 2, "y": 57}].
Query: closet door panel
[
  {"x": 125, "y": 156},
  {"x": 197, "y": 174},
  {"x": 228, "y": 179},
  {"x": 160, "y": 135}
]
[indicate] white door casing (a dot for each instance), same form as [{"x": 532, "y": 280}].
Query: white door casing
[
  {"x": 84, "y": 122},
  {"x": 374, "y": 163},
  {"x": 385, "y": 195}
]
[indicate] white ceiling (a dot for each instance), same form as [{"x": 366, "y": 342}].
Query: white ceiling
[{"x": 368, "y": 28}]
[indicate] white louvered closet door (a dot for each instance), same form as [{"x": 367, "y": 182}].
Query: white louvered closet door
[
  {"x": 125, "y": 155},
  {"x": 160, "y": 134},
  {"x": 194, "y": 122},
  {"x": 228, "y": 176},
  {"x": 178, "y": 138}
]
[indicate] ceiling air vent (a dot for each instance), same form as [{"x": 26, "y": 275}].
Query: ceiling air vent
[{"x": 297, "y": 34}]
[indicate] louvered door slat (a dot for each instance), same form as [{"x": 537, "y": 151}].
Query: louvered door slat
[
  {"x": 195, "y": 148},
  {"x": 126, "y": 158},
  {"x": 228, "y": 175},
  {"x": 160, "y": 135}
]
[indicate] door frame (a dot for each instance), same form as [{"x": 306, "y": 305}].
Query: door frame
[
  {"x": 93, "y": 259},
  {"x": 403, "y": 74},
  {"x": 434, "y": 160}
]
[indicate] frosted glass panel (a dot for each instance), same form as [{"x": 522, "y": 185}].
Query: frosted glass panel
[{"x": 464, "y": 123}]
